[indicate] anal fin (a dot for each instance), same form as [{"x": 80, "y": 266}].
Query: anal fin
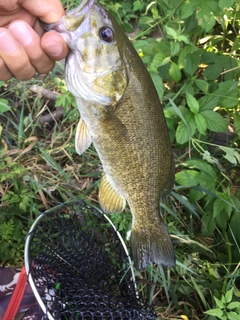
[
  {"x": 110, "y": 200},
  {"x": 83, "y": 138}
]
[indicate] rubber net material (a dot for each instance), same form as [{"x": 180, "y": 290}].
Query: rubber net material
[{"x": 80, "y": 268}]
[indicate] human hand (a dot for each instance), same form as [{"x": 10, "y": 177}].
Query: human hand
[{"x": 24, "y": 47}]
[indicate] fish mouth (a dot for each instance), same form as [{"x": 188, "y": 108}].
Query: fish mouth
[{"x": 72, "y": 21}]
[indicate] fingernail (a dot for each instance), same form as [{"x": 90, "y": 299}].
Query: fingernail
[
  {"x": 22, "y": 32},
  {"x": 54, "y": 49},
  {"x": 7, "y": 43}
]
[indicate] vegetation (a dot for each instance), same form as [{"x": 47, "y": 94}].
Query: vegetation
[{"x": 191, "y": 49}]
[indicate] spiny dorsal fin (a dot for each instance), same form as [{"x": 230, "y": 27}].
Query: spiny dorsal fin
[
  {"x": 110, "y": 200},
  {"x": 83, "y": 138}
]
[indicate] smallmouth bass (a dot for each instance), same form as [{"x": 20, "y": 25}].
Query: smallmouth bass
[{"x": 122, "y": 116}]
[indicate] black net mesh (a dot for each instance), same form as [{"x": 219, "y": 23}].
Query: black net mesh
[{"x": 80, "y": 268}]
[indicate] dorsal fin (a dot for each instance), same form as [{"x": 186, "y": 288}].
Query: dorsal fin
[
  {"x": 83, "y": 138},
  {"x": 110, "y": 200}
]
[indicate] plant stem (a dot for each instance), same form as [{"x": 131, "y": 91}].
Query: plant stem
[{"x": 229, "y": 254}]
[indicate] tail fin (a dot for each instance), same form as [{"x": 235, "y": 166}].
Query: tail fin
[{"x": 152, "y": 245}]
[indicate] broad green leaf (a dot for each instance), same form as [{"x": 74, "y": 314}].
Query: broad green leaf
[
  {"x": 158, "y": 83},
  {"x": 233, "y": 305},
  {"x": 186, "y": 129},
  {"x": 209, "y": 224},
  {"x": 187, "y": 178},
  {"x": 158, "y": 59},
  {"x": 171, "y": 32},
  {"x": 183, "y": 54},
  {"x": 4, "y": 105},
  {"x": 228, "y": 93},
  {"x": 166, "y": 61},
  {"x": 175, "y": 72},
  {"x": 225, "y": 3},
  {"x": 192, "y": 103},
  {"x": 202, "y": 85},
  {"x": 200, "y": 123},
  {"x": 207, "y": 182},
  {"x": 218, "y": 207},
  {"x": 236, "y": 118},
  {"x": 184, "y": 39},
  {"x": 215, "y": 312},
  {"x": 205, "y": 14},
  {"x": 212, "y": 72},
  {"x": 192, "y": 63},
  {"x": 236, "y": 45},
  {"x": 137, "y": 5},
  {"x": 231, "y": 154},
  {"x": 209, "y": 102},
  {"x": 186, "y": 9},
  {"x": 175, "y": 47},
  {"x": 182, "y": 134},
  {"x": 201, "y": 165},
  {"x": 228, "y": 296},
  {"x": 233, "y": 315},
  {"x": 215, "y": 121},
  {"x": 222, "y": 220},
  {"x": 195, "y": 195}
]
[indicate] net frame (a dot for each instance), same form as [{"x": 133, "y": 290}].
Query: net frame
[{"x": 96, "y": 213}]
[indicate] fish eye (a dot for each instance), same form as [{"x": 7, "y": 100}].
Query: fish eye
[{"x": 106, "y": 34}]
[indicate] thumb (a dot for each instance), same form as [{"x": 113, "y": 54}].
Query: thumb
[{"x": 49, "y": 11}]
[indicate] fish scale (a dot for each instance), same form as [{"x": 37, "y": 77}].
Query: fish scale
[{"x": 122, "y": 116}]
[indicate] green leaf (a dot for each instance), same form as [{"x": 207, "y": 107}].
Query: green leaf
[
  {"x": 137, "y": 5},
  {"x": 229, "y": 295},
  {"x": 187, "y": 178},
  {"x": 201, "y": 166},
  {"x": 208, "y": 102},
  {"x": 231, "y": 154},
  {"x": 226, "y": 3},
  {"x": 171, "y": 32},
  {"x": 188, "y": 49},
  {"x": 175, "y": 72},
  {"x": 192, "y": 62},
  {"x": 158, "y": 59},
  {"x": 228, "y": 93},
  {"x": 158, "y": 83},
  {"x": 220, "y": 303},
  {"x": 200, "y": 123},
  {"x": 4, "y": 105},
  {"x": 233, "y": 305},
  {"x": 236, "y": 118},
  {"x": 218, "y": 207},
  {"x": 186, "y": 9},
  {"x": 215, "y": 121},
  {"x": 215, "y": 312},
  {"x": 175, "y": 47},
  {"x": 212, "y": 72},
  {"x": 192, "y": 103},
  {"x": 186, "y": 129},
  {"x": 233, "y": 315},
  {"x": 184, "y": 39},
  {"x": 205, "y": 15},
  {"x": 202, "y": 85},
  {"x": 182, "y": 134},
  {"x": 207, "y": 182}
]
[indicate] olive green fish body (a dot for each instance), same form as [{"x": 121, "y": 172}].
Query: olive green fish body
[{"x": 122, "y": 116}]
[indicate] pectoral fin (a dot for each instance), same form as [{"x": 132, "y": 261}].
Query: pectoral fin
[
  {"x": 83, "y": 138},
  {"x": 110, "y": 200}
]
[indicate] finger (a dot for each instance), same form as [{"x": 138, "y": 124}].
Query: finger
[
  {"x": 5, "y": 74},
  {"x": 54, "y": 45},
  {"x": 14, "y": 56},
  {"x": 31, "y": 43},
  {"x": 47, "y": 11}
]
